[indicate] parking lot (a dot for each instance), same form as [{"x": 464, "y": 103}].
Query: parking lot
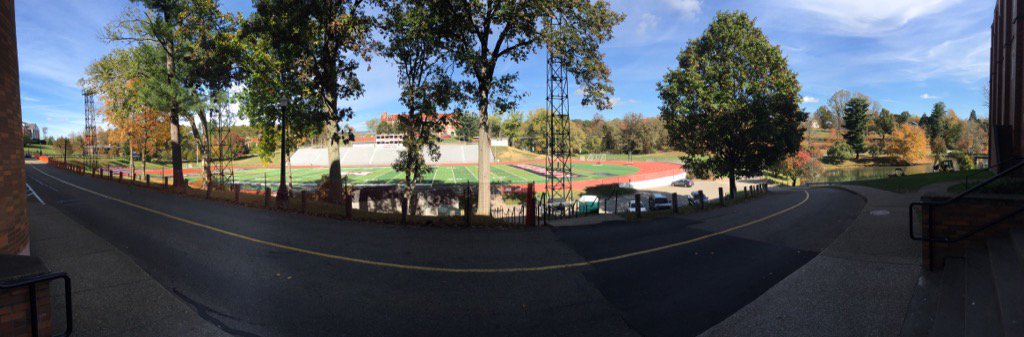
[{"x": 710, "y": 188}]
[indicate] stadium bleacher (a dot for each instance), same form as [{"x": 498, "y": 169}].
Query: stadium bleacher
[{"x": 383, "y": 155}]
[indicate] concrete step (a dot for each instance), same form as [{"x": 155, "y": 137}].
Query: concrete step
[
  {"x": 949, "y": 312},
  {"x": 981, "y": 307},
  {"x": 921, "y": 310},
  {"x": 1017, "y": 235},
  {"x": 1008, "y": 277}
]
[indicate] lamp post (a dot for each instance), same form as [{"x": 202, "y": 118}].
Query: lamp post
[{"x": 282, "y": 190}]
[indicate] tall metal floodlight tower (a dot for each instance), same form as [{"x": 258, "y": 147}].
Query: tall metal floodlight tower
[
  {"x": 559, "y": 152},
  {"x": 89, "y": 135}
]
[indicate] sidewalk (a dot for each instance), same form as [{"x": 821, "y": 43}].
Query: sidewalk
[
  {"x": 859, "y": 286},
  {"x": 112, "y": 296}
]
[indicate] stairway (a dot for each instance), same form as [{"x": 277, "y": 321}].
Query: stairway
[{"x": 979, "y": 295}]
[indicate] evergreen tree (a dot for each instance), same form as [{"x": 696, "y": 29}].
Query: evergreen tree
[{"x": 856, "y": 124}]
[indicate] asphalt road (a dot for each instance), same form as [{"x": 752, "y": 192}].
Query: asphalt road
[{"x": 253, "y": 272}]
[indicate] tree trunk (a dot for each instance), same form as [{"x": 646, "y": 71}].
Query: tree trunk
[
  {"x": 179, "y": 176},
  {"x": 794, "y": 182},
  {"x": 483, "y": 204},
  {"x": 732, "y": 185},
  {"x": 407, "y": 196},
  {"x": 131, "y": 159},
  {"x": 144, "y": 158},
  {"x": 203, "y": 147}
]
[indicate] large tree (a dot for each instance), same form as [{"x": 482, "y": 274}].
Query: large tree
[
  {"x": 824, "y": 117},
  {"x": 856, "y": 123},
  {"x": 331, "y": 37},
  {"x": 276, "y": 98},
  {"x": 732, "y": 105},
  {"x": 486, "y": 33},
  {"x": 884, "y": 124},
  {"x": 836, "y": 106},
  {"x": 175, "y": 30},
  {"x": 416, "y": 42}
]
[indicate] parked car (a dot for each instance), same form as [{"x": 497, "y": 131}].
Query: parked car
[
  {"x": 697, "y": 196},
  {"x": 589, "y": 204},
  {"x": 632, "y": 206},
  {"x": 683, "y": 183},
  {"x": 660, "y": 201},
  {"x": 557, "y": 206}
]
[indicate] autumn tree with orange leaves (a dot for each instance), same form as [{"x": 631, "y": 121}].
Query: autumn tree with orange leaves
[
  {"x": 909, "y": 144},
  {"x": 115, "y": 78}
]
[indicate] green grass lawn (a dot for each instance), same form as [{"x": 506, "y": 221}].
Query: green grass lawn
[
  {"x": 441, "y": 175},
  {"x": 914, "y": 182}
]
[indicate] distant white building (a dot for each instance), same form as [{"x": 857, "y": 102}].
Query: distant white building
[{"x": 31, "y": 130}]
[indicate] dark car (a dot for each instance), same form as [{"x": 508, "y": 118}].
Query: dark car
[{"x": 683, "y": 183}]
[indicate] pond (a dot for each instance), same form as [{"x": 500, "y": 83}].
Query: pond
[{"x": 844, "y": 174}]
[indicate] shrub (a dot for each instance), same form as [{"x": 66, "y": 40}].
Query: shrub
[
  {"x": 838, "y": 153},
  {"x": 963, "y": 160}
]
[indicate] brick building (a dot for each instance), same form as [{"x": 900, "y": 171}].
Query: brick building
[
  {"x": 1006, "y": 100},
  {"x": 31, "y": 130},
  {"x": 13, "y": 216},
  {"x": 448, "y": 129}
]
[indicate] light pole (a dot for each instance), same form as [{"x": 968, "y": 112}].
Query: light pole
[{"x": 282, "y": 190}]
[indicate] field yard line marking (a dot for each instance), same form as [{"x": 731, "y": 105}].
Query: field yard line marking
[
  {"x": 34, "y": 194},
  {"x": 807, "y": 195},
  {"x": 471, "y": 172},
  {"x": 434, "y": 176}
]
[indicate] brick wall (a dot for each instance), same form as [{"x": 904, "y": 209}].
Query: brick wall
[
  {"x": 961, "y": 217},
  {"x": 14, "y": 311},
  {"x": 13, "y": 216},
  {"x": 14, "y": 303}
]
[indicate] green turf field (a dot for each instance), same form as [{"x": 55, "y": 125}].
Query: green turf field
[{"x": 442, "y": 175}]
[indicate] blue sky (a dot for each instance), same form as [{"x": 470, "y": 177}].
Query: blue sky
[{"x": 906, "y": 54}]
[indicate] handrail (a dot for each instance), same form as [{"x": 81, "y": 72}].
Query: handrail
[
  {"x": 930, "y": 229},
  {"x": 910, "y": 220},
  {"x": 31, "y": 281}
]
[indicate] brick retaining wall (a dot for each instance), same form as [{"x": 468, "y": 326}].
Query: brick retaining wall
[{"x": 961, "y": 217}]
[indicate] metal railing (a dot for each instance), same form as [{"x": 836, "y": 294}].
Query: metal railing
[
  {"x": 1015, "y": 170},
  {"x": 511, "y": 215},
  {"x": 31, "y": 282}
]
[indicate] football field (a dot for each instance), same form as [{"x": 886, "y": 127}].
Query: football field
[{"x": 500, "y": 173}]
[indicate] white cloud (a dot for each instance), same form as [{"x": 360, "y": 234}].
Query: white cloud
[
  {"x": 648, "y": 23},
  {"x": 927, "y": 96},
  {"x": 869, "y": 17},
  {"x": 690, "y": 8},
  {"x": 617, "y": 101},
  {"x": 809, "y": 99}
]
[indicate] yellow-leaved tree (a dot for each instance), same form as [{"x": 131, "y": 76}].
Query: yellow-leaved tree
[{"x": 909, "y": 144}]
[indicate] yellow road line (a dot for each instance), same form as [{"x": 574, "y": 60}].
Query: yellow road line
[{"x": 807, "y": 196}]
